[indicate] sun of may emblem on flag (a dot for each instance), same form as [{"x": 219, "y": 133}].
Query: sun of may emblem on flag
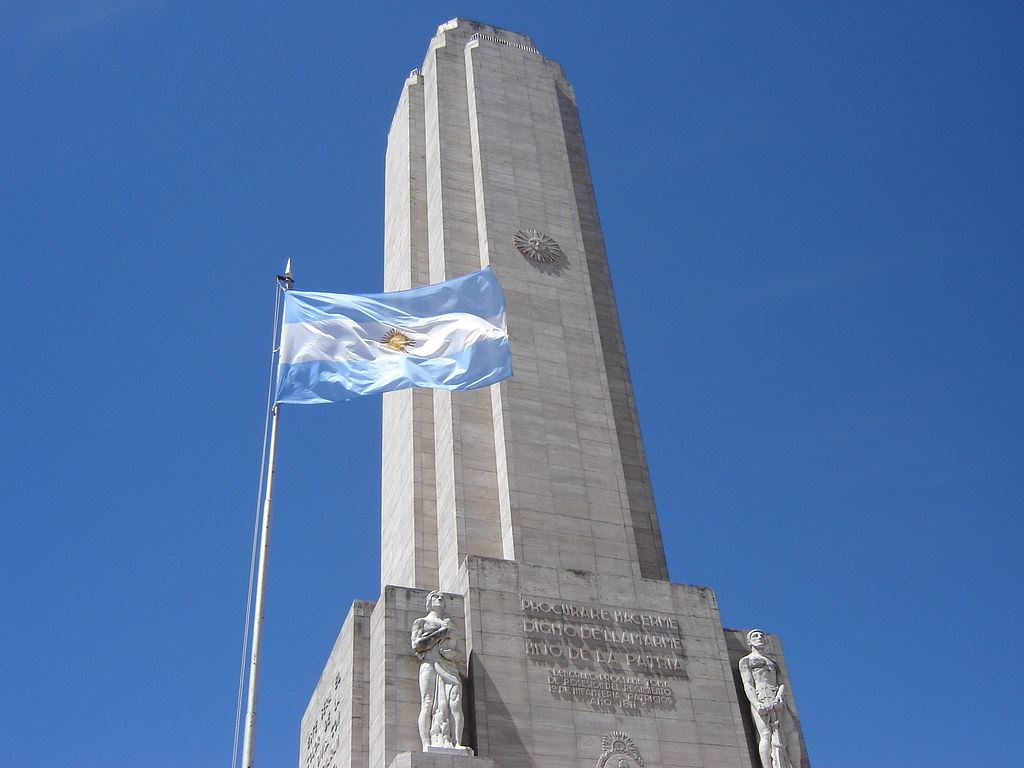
[{"x": 397, "y": 340}]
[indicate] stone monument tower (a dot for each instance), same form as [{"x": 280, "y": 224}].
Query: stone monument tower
[{"x": 525, "y": 616}]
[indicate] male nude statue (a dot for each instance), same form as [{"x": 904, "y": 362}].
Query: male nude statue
[
  {"x": 779, "y": 741},
  {"x": 440, "y": 721}
]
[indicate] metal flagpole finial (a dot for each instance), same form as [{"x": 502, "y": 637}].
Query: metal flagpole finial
[{"x": 286, "y": 278}]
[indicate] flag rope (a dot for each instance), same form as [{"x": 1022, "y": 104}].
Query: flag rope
[{"x": 278, "y": 294}]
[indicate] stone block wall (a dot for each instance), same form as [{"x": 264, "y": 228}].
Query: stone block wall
[
  {"x": 562, "y": 658},
  {"x": 334, "y": 732}
]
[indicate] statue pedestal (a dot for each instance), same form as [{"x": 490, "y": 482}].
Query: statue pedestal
[
  {"x": 440, "y": 757},
  {"x": 463, "y": 751}
]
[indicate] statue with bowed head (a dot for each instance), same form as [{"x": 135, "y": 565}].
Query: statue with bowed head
[
  {"x": 779, "y": 741},
  {"x": 441, "y": 720}
]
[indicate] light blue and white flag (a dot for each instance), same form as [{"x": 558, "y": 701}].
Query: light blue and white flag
[{"x": 449, "y": 335}]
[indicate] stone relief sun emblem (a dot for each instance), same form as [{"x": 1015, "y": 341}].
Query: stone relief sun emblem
[
  {"x": 397, "y": 340},
  {"x": 538, "y": 246},
  {"x": 619, "y": 743}
]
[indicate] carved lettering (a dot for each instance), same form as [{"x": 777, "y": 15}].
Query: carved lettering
[
  {"x": 602, "y": 690},
  {"x": 607, "y": 657}
]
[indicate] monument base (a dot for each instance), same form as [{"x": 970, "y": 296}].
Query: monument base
[
  {"x": 565, "y": 668},
  {"x": 437, "y": 759},
  {"x": 464, "y": 751}
]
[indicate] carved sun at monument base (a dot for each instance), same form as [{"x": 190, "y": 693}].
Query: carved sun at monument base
[{"x": 525, "y": 615}]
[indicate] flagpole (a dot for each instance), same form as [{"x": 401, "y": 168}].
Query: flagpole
[{"x": 249, "y": 742}]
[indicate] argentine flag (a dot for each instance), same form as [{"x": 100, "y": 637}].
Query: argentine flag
[{"x": 449, "y": 335}]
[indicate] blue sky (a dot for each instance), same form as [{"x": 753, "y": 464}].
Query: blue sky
[{"x": 814, "y": 220}]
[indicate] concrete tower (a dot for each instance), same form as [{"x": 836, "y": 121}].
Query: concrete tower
[
  {"x": 549, "y": 467},
  {"x": 529, "y": 502}
]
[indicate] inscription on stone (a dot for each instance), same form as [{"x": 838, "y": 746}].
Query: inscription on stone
[
  {"x": 621, "y": 639},
  {"x": 610, "y": 690},
  {"x": 322, "y": 738},
  {"x": 608, "y": 657}
]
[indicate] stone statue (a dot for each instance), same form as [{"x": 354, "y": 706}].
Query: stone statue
[
  {"x": 779, "y": 740},
  {"x": 440, "y": 721}
]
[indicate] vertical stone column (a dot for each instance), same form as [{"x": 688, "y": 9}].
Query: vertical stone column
[
  {"x": 408, "y": 497},
  {"x": 467, "y": 498}
]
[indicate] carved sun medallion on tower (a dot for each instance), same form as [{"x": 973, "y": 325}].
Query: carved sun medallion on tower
[
  {"x": 538, "y": 246},
  {"x": 397, "y": 340}
]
